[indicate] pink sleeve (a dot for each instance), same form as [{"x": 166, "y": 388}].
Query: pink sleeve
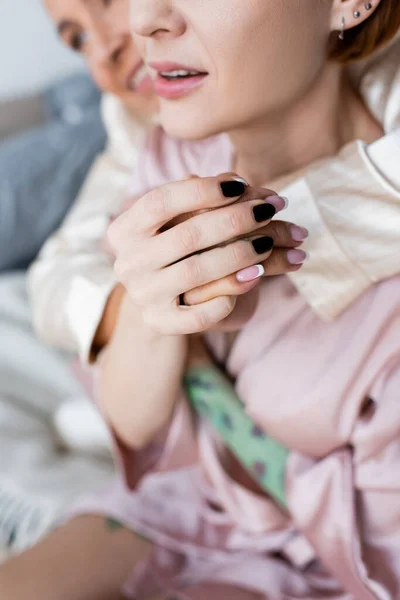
[
  {"x": 174, "y": 448},
  {"x": 164, "y": 452}
]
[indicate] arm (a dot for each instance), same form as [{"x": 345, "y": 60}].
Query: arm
[
  {"x": 141, "y": 374},
  {"x": 72, "y": 281}
]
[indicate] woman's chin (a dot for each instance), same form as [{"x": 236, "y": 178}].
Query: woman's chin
[{"x": 188, "y": 125}]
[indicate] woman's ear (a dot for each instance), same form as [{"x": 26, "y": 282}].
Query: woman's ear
[{"x": 347, "y": 14}]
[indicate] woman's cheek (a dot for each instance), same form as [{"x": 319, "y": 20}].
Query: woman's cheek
[{"x": 103, "y": 79}]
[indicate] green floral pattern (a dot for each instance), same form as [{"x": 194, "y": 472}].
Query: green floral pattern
[{"x": 213, "y": 396}]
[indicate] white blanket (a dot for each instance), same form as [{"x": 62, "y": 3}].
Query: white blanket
[{"x": 39, "y": 476}]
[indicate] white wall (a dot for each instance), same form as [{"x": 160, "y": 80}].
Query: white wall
[{"x": 30, "y": 53}]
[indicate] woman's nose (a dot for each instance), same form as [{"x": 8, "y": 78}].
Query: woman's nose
[{"x": 155, "y": 18}]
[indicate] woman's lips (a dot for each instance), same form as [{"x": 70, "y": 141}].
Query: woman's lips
[
  {"x": 170, "y": 81},
  {"x": 176, "y": 88}
]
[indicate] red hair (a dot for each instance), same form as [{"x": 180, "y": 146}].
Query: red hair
[{"x": 365, "y": 38}]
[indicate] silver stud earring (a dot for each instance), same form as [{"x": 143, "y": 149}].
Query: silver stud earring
[
  {"x": 356, "y": 14},
  {"x": 368, "y": 6},
  {"x": 341, "y": 34}
]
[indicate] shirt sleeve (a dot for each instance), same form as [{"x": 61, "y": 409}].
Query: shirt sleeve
[
  {"x": 351, "y": 206},
  {"x": 72, "y": 278}
]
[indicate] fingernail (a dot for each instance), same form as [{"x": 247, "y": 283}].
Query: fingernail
[
  {"x": 233, "y": 188},
  {"x": 263, "y": 244},
  {"x": 263, "y": 212},
  {"x": 250, "y": 273},
  {"x": 280, "y": 202},
  {"x": 297, "y": 257},
  {"x": 242, "y": 180},
  {"x": 299, "y": 234}
]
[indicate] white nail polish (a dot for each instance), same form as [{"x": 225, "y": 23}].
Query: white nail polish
[
  {"x": 297, "y": 256},
  {"x": 241, "y": 180},
  {"x": 286, "y": 201},
  {"x": 250, "y": 273},
  {"x": 261, "y": 271}
]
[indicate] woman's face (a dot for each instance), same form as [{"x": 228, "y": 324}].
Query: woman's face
[
  {"x": 99, "y": 30},
  {"x": 221, "y": 65}
]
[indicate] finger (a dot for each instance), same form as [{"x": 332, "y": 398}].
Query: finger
[
  {"x": 217, "y": 227},
  {"x": 158, "y": 207},
  {"x": 281, "y": 261},
  {"x": 212, "y": 265},
  {"x": 284, "y": 234},
  {"x": 228, "y": 286},
  {"x": 246, "y": 305},
  {"x": 182, "y": 320},
  {"x": 188, "y": 238},
  {"x": 284, "y": 261}
]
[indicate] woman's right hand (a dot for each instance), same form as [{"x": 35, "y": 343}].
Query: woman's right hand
[{"x": 157, "y": 266}]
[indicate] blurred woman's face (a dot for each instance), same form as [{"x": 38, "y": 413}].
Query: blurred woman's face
[
  {"x": 99, "y": 30},
  {"x": 225, "y": 64}
]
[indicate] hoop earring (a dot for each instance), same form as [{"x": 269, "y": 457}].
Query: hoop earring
[{"x": 341, "y": 34}]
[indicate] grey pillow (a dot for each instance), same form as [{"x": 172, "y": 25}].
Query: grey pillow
[
  {"x": 41, "y": 173},
  {"x": 67, "y": 98}
]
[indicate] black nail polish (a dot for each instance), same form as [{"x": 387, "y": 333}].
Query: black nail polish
[
  {"x": 263, "y": 212},
  {"x": 232, "y": 189},
  {"x": 263, "y": 244}
]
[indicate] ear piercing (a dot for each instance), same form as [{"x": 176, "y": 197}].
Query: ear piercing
[
  {"x": 341, "y": 34},
  {"x": 356, "y": 15}
]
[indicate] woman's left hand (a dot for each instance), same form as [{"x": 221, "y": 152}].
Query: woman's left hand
[{"x": 244, "y": 284}]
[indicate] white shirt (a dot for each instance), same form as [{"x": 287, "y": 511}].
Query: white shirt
[{"x": 350, "y": 248}]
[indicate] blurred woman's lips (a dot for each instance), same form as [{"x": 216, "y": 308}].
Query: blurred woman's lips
[
  {"x": 172, "y": 80},
  {"x": 140, "y": 81}
]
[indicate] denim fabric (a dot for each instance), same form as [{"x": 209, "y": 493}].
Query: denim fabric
[{"x": 43, "y": 169}]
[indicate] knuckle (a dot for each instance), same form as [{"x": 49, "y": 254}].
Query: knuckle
[
  {"x": 160, "y": 201},
  {"x": 222, "y": 307},
  {"x": 120, "y": 269},
  {"x": 201, "y": 321},
  {"x": 138, "y": 295},
  {"x": 277, "y": 264},
  {"x": 235, "y": 221},
  {"x": 227, "y": 305},
  {"x": 125, "y": 265},
  {"x": 190, "y": 272},
  {"x": 280, "y": 233},
  {"x": 234, "y": 288},
  {"x": 272, "y": 263},
  {"x": 189, "y": 236},
  {"x": 198, "y": 191},
  {"x": 238, "y": 253}
]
